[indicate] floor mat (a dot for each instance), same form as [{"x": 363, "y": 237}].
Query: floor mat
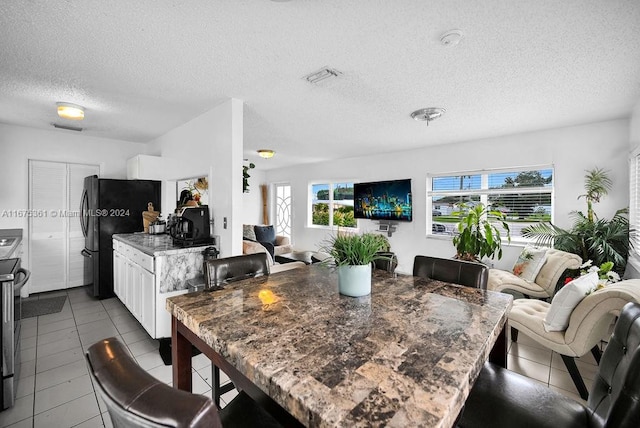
[{"x": 35, "y": 308}]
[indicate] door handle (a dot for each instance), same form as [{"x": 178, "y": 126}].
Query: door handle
[
  {"x": 20, "y": 284},
  {"x": 85, "y": 253}
]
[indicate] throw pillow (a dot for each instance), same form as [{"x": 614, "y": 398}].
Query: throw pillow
[
  {"x": 265, "y": 234},
  {"x": 248, "y": 232},
  {"x": 529, "y": 263},
  {"x": 566, "y": 300}
]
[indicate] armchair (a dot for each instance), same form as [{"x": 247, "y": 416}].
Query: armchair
[
  {"x": 588, "y": 324},
  {"x": 501, "y": 398},
  {"x": 545, "y": 283}
]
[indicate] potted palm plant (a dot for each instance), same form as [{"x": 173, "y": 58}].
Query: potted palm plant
[
  {"x": 478, "y": 234},
  {"x": 353, "y": 255},
  {"x": 590, "y": 237}
]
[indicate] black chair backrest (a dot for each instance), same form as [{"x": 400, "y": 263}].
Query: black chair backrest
[
  {"x": 615, "y": 394},
  {"x": 228, "y": 269},
  {"x": 452, "y": 270},
  {"x": 136, "y": 399}
]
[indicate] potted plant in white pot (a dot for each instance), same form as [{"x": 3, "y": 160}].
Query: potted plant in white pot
[{"x": 353, "y": 255}]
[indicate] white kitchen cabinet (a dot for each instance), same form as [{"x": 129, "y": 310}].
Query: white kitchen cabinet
[
  {"x": 134, "y": 284},
  {"x": 137, "y": 284}
]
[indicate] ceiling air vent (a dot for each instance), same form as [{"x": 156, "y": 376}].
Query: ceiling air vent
[
  {"x": 322, "y": 74},
  {"x": 69, "y": 128}
]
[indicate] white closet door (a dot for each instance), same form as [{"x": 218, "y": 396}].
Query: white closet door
[
  {"x": 56, "y": 240},
  {"x": 75, "y": 185},
  {"x": 47, "y": 195}
]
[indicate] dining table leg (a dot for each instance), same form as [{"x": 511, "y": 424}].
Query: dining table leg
[
  {"x": 181, "y": 358},
  {"x": 498, "y": 354}
]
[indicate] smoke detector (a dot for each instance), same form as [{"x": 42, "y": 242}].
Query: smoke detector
[
  {"x": 428, "y": 114},
  {"x": 451, "y": 37}
]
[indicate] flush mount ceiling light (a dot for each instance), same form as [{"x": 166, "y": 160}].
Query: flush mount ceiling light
[
  {"x": 70, "y": 111},
  {"x": 322, "y": 74},
  {"x": 451, "y": 37},
  {"x": 428, "y": 114},
  {"x": 266, "y": 153}
]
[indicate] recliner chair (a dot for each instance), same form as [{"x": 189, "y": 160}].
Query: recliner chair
[
  {"x": 136, "y": 399},
  {"x": 451, "y": 270},
  {"x": 501, "y": 398}
]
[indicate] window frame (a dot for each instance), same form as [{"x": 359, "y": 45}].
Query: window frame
[
  {"x": 634, "y": 209},
  {"x": 331, "y": 184},
  {"x": 484, "y": 191}
]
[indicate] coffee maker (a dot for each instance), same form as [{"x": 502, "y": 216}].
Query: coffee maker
[{"x": 190, "y": 226}]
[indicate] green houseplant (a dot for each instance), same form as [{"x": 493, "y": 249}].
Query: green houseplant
[
  {"x": 478, "y": 236},
  {"x": 353, "y": 255},
  {"x": 590, "y": 237}
]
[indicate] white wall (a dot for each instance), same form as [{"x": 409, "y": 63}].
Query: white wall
[
  {"x": 634, "y": 127},
  {"x": 252, "y": 201},
  {"x": 570, "y": 150},
  {"x": 19, "y": 144},
  {"x": 212, "y": 145}
]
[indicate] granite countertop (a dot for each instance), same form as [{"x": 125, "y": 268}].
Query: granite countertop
[
  {"x": 8, "y": 247},
  {"x": 404, "y": 356},
  {"x": 156, "y": 245}
]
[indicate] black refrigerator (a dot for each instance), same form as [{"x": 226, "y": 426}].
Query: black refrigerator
[{"x": 110, "y": 206}]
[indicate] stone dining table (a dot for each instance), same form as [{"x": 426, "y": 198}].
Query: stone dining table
[{"x": 406, "y": 355}]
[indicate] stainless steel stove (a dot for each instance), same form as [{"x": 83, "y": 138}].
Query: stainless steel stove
[{"x": 12, "y": 279}]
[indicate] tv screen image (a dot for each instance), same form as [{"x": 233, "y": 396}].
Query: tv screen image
[{"x": 383, "y": 200}]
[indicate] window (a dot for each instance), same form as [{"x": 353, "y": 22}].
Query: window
[
  {"x": 634, "y": 210},
  {"x": 525, "y": 197},
  {"x": 332, "y": 205},
  {"x": 283, "y": 210}
]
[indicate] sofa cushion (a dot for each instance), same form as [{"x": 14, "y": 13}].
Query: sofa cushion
[
  {"x": 529, "y": 263},
  {"x": 265, "y": 234},
  {"x": 248, "y": 232},
  {"x": 565, "y": 301}
]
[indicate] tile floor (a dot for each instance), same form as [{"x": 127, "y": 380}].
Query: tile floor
[{"x": 55, "y": 389}]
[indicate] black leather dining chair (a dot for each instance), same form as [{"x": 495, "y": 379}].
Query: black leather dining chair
[
  {"x": 501, "y": 398},
  {"x": 451, "y": 270},
  {"x": 134, "y": 398},
  {"x": 218, "y": 272},
  {"x": 222, "y": 271}
]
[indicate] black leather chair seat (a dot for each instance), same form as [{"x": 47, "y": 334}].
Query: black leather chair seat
[
  {"x": 501, "y": 398},
  {"x": 218, "y": 272},
  {"x": 134, "y": 398},
  {"x": 451, "y": 270}
]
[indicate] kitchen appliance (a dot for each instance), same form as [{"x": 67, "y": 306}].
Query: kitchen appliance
[
  {"x": 12, "y": 279},
  {"x": 191, "y": 226},
  {"x": 110, "y": 206}
]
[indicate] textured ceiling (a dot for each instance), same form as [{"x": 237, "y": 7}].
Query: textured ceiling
[{"x": 142, "y": 68}]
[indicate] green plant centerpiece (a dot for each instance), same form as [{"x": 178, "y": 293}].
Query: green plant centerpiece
[
  {"x": 478, "y": 233},
  {"x": 590, "y": 237},
  {"x": 353, "y": 255}
]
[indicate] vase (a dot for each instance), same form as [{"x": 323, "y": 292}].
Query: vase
[{"x": 354, "y": 281}]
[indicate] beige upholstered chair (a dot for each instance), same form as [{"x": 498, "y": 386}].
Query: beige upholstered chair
[
  {"x": 588, "y": 324},
  {"x": 545, "y": 284}
]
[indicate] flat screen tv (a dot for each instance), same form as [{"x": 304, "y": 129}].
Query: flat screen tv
[{"x": 383, "y": 200}]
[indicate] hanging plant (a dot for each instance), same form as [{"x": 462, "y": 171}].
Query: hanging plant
[{"x": 246, "y": 176}]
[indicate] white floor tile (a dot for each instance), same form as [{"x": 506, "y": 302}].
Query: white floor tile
[
  {"x": 27, "y": 342},
  {"x": 149, "y": 360},
  {"x": 25, "y": 386},
  {"x": 539, "y": 355},
  {"x": 62, "y": 393},
  {"x": 135, "y": 336},
  {"x": 61, "y": 374},
  {"x": 562, "y": 379},
  {"x": 95, "y": 422},
  {"x": 25, "y": 423},
  {"x": 162, "y": 373},
  {"x": 143, "y": 346},
  {"x": 60, "y": 359},
  {"x": 27, "y": 368},
  {"x": 22, "y": 409},
  {"x": 69, "y": 414},
  {"x": 56, "y": 347},
  {"x": 528, "y": 368},
  {"x": 45, "y": 327},
  {"x": 91, "y": 317},
  {"x": 55, "y": 336}
]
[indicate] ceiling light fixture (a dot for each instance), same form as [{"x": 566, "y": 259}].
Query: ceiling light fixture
[
  {"x": 451, "y": 37},
  {"x": 266, "y": 153},
  {"x": 428, "y": 114},
  {"x": 70, "y": 111},
  {"x": 323, "y": 73}
]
